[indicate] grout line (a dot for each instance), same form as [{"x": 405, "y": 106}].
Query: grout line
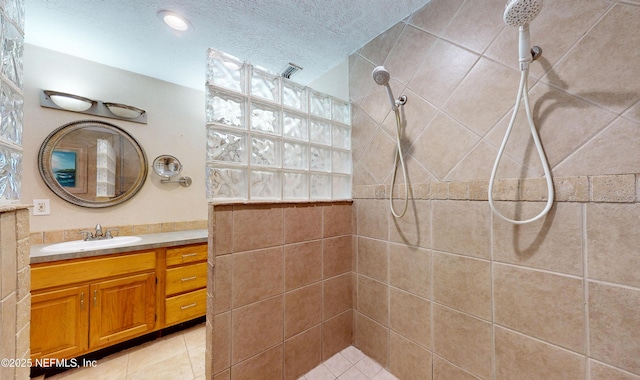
[{"x": 585, "y": 284}]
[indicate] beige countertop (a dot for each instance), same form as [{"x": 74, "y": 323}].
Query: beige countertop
[{"x": 148, "y": 241}]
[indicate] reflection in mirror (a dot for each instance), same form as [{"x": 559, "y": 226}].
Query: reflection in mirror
[
  {"x": 92, "y": 163},
  {"x": 167, "y": 166}
]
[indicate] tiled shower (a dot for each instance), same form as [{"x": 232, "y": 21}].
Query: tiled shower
[{"x": 450, "y": 291}]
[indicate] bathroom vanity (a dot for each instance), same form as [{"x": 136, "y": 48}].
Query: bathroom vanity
[{"x": 83, "y": 301}]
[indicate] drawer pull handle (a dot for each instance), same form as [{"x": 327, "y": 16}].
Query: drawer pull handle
[
  {"x": 189, "y": 254},
  {"x": 188, "y": 306},
  {"x": 189, "y": 278}
]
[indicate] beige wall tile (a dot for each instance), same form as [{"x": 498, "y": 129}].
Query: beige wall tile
[
  {"x": 336, "y": 296},
  {"x": 303, "y": 264},
  {"x": 443, "y": 370},
  {"x": 463, "y": 340},
  {"x": 222, "y": 279},
  {"x": 521, "y": 357},
  {"x": 614, "y": 326},
  {"x": 407, "y": 360},
  {"x": 256, "y": 327},
  {"x": 612, "y": 251},
  {"x": 410, "y": 316},
  {"x": 377, "y": 49},
  {"x": 373, "y": 299},
  {"x": 372, "y": 339},
  {"x": 553, "y": 243},
  {"x": 414, "y": 228},
  {"x": 411, "y": 48},
  {"x": 337, "y": 219},
  {"x": 463, "y": 284},
  {"x": 547, "y": 306},
  {"x": 257, "y": 226},
  {"x": 302, "y": 353},
  {"x": 222, "y": 342},
  {"x": 302, "y": 309},
  {"x": 302, "y": 222},
  {"x": 377, "y": 158},
  {"x": 435, "y": 15},
  {"x": 410, "y": 269},
  {"x": 477, "y": 165},
  {"x": 226, "y": 375},
  {"x": 8, "y": 259},
  {"x": 257, "y": 275},
  {"x": 373, "y": 258},
  {"x": 453, "y": 219},
  {"x": 471, "y": 26},
  {"x": 267, "y": 365},
  {"x": 337, "y": 256},
  {"x": 600, "y": 371},
  {"x": 613, "y": 188},
  {"x": 337, "y": 334},
  {"x": 372, "y": 216}
]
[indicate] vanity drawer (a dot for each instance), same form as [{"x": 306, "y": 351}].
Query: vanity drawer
[
  {"x": 186, "y": 254},
  {"x": 63, "y": 273},
  {"x": 185, "y": 307},
  {"x": 186, "y": 278}
]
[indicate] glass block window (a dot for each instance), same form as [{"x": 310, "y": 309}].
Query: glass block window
[
  {"x": 271, "y": 139},
  {"x": 11, "y": 99}
]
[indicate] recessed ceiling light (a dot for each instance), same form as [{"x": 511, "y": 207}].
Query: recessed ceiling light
[{"x": 174, "y": 20}]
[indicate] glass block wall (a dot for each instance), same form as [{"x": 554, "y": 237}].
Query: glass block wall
[
  {"x": 269, "y": 138},
  {"x": 11, "y": 99}
]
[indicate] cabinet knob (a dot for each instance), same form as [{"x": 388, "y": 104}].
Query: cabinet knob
[{"x": 82, "y": 300}]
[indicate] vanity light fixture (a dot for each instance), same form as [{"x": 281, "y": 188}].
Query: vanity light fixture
[
  {"x": 69, "y": 102},
  {"x": 124, "y": 111},
  {"x": 174, "y": 20}
]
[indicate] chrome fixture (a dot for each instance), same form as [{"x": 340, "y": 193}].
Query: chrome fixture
[
  {"x": 168, "y": 167},
  {"x": 98, "y": 235},
  {"x": 75, "y": 103}
]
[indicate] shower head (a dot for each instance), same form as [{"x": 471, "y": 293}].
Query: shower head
[
  {"x": 521, "y": 12},
  {"x": 381, "y": 76}
]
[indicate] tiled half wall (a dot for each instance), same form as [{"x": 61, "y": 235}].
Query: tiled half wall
[{"x": 282, "y": 288}]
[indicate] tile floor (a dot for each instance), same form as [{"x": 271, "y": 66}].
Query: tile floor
[{"x": 181, "y": 356}]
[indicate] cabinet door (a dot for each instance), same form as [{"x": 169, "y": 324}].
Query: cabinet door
[
  {"x": 121, "y": 309},
  {"x": 59, "y": 323}
]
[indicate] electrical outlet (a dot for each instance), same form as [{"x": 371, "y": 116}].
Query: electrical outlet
[{"x": 41, "y": 207}]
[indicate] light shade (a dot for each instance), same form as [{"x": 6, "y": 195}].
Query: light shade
[
  {"x": 174, "y": 20},
  {"x": 124, "y": 111},
  {"x": 69, "y": 102}
]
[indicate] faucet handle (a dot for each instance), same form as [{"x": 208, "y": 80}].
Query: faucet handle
[
  {"x": 108, "y": 233},
  {"x": 86, "y": 234}
]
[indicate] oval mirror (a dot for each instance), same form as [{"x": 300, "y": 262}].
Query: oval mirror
[{"x": 92, "y": 163}]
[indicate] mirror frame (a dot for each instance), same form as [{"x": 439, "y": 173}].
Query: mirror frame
[{"x": 46, "y": 172}]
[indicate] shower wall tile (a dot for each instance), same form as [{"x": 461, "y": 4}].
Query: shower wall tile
[
  {"x": 416, "y": 119},
  {"x": 336, "y": 296},
  {"x": 407, "y": 54},
  {"x": 373, "y": 220},
  {"x": 337, "y": 219},
  {"x": 223, "y": 275},
  {"x": 257, "y": 275},
  {"x": 302, "y": 222},
  {"x": 414, "y": 229},
  {"x": 380, "y": 150},
  {"x": 373, "y": 259},
  {"x": 453, "y": 219},
  {"x": 361, "y": 134},
  {"x": 376, "y": 50},
  {"x": 601, "y": 371},
  {"x": 407, "y": 360},
  {"x": 267, "y": 364},
  {"x": 520, "y": 357},
  {"x": 337, "y": 256},
  {"x": 474, "y": 25},
  {"x": 302, "y": 264},
  {"x": 372, "y": 339},
  {"x": 435, "y": 15},
  {"x": 614, "y": 336},
  {"x": 360, "y": 78},
  {"x": 302, "y": 309},
  {"x": 553, "y": 243},
  {"x": 546, "y": 306},
  {"x": 255, "y": 328},
  {"x": 373, "y": 299},
  {"x": 612, "y": 252},
  {"x": 463, "y": 340},
  {"x": 257, "y": 227},
  {"x": 410, "y": 269},
  {"x": 222, "y": 342},
  {"x": 607, "y": 44},
  {"x": 475, "y": 166},
  {"x": 613, "y": 188},
  {"x": 463, "y": 284},
  {"x": 337, "y": 333},
  {"x": 410, "y": 316},
  {"x": 302, "y": 353},
  {"x": 443, "y": 370}
]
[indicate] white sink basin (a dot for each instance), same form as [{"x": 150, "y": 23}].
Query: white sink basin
[{"x": 82, "y": 245}]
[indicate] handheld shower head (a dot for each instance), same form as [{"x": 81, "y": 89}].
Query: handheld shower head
[
  {"x": 519, "y": 13},
  {"x": 381, "y": 76}
]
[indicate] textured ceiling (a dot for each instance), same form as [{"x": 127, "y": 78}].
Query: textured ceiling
[{"x": 314, "y": 34}]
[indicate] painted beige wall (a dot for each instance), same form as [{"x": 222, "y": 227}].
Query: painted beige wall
[{"x": 175, "y": 126}]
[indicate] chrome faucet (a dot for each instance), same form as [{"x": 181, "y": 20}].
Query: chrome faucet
[
  {"x": 98, "y": 235},
  {"x": 98, "y": 231}
]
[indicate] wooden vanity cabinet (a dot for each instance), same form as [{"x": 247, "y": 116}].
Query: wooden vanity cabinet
[{"x": 82, "y": 305}]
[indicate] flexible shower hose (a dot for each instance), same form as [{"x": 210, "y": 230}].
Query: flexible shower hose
[
  {"x": 395, "y": 170},
  {"x": 523, "y": 95}
]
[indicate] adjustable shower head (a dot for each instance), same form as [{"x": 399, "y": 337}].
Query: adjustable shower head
[
  {"x": 381, "y": 76},
  {"x": 519, "y": 13}
]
